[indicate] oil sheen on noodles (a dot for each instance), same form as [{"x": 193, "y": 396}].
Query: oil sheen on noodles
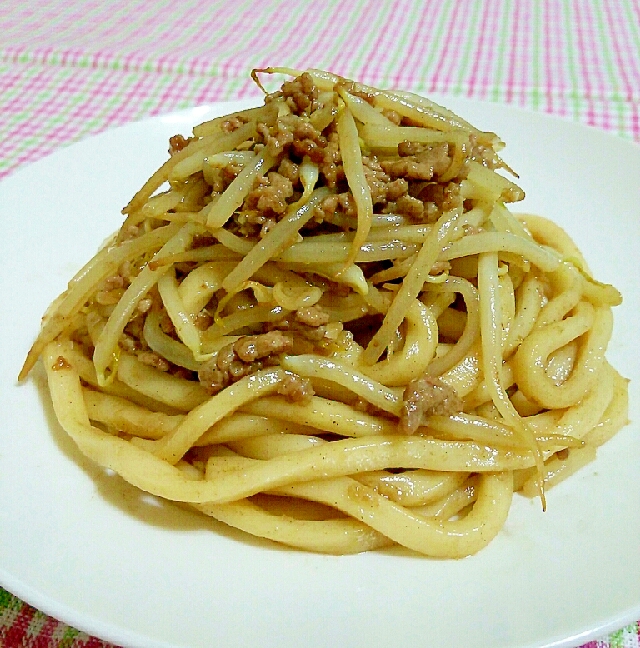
[{"x": 320, "y": 323}]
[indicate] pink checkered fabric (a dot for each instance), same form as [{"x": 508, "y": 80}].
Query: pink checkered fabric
[{"x": 72, "y": 68}]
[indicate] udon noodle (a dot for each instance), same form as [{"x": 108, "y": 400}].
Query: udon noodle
[{"x": 320, "y": 323}]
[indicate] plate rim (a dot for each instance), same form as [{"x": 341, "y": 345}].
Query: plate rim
[{"x": 31, "y": 596}]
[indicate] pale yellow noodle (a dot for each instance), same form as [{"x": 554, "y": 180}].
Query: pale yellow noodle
[
  {"x": 370, "y": 390},
  {"x": 453, "y": 538},
  {"x": 472, "y": 324},
  {"x": 322, "y": 536},
  {"x": 158, "y": 385},
  {"x": 261, "y": 364},
  {"x": 490, "y": 336},
  {"x": 173, "y": 446},
  {"x": 529, "y": 361},
  {"x": 417, "y": 351},
  {"x": 324, "y": 415},
  {"x": 412, "y": 487}
]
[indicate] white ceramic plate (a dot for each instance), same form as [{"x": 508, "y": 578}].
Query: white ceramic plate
[{"x": 86, "y": 548}]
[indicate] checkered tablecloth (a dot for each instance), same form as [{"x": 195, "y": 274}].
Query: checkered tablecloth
[{"x": 73, "y": 68}]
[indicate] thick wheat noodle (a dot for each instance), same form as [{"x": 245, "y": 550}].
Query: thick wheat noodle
[
  {"x": 418, "y": 349},
  {"x": 435, "y": 537},
  {"x": 346, "y": 536},
  {"x": 324, "y": 415},
  {"x": 263, "y": 364},
  {"x": 613, "y": 418},
  {"x": 597, "y": 326},
  {"x": 121, "y": 413},
  {"x": 472, "y": 325},
  {"x": 339, "y": 458}
]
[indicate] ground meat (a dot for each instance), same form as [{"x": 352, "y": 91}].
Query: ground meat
[
  {"x": 301, "y": 94},
  {"x": 153, "y": 360},
  {"x": 411, "y": 207},
  {"x": 266, "y": 226},
  {"x": 144, "y": 305},
  {"x": 437, "y": 198},
  {"x": 396, "y": 188},
  {"x": 295, "y": 388},
  {"x": 307, "y": 323},
  {"x": 418, "y": 161},
  {"x": 409, "y": 167},
  {"x": 312, "y": 316},
  {"x": 439, "y": 267},
  {"x": 406, "y": 149},
  {"x": 424, "y": 397},
  {"x": 295, "y": 136},
  {"x": 177, "y": 143},
  {"x": 203, "y": 320},
  {"x": 308, "y": 141},
  {"x": 219, "y": 178},
  {"x": 60, "y": 363},
  {"x": 485, "y": 155},
  {"x": 254, "y": 347},
  {"x": 211, "y": 378},
  {"x": 276, "y": 138},
  {"x": 129, "y": 231},
  {"x": 380, "y": 183},
  {"x": 431, "y": 192},
  {"x": 342, "y": 202},
  {"x": 303, "y": 130},
  {"x": 392, "y": 116},
  {"x": 245, "y": 356},
  {"x": 202, "y": 240},
  {"x": 166, "y": 325},
  {"x": 215, "y": 178},
  {"x": 331, "y": 163},
  {"x": 386, "y": 194},
  {"x": 289, "y": 170},
  {"x": 108, "y": 298},
  {"x": 111, "y": 291},
  {"x": 270, "y": 194},
  {"x": 407, "y": 185},
  {"x": 512, "y": 194},
  {"x": 230, "y": 172},
  {"x": 231, "y": 124},
  {"x": 113, "y": 282}
]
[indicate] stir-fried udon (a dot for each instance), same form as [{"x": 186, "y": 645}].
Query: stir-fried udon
[{"x": 320, "y": 323}]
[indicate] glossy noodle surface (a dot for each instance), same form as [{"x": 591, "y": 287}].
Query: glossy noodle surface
[{"x": 322, "y": 322}]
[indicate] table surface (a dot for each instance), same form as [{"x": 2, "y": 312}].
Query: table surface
[{"x": 73, "y": 68}]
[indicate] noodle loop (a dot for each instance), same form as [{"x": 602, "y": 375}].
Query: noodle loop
[{"x": 320, "y": 323}]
